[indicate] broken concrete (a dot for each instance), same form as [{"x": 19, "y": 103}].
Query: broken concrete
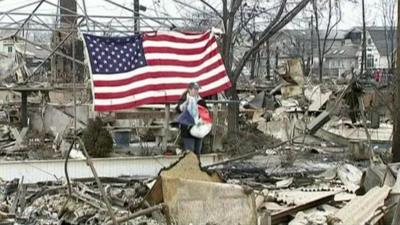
[
  {"x": 200, "y": 202},
  {"x": 194, "y": 196}
]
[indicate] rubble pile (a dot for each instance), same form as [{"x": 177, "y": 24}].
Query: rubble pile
[
  {"x": 307, "y": 197},
  {"x": 50, "y": 202},
  {"x": 186, "y": 193}
]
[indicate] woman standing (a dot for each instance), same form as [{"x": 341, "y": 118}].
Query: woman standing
[{"x": 188, "y": 108}]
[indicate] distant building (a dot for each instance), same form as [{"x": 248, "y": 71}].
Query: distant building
[
  {"x": 344, "y": 49},
  {"x": 7, "y": 47}
]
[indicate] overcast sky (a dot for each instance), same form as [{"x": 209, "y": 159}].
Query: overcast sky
[{"x": 351, "y": 13}]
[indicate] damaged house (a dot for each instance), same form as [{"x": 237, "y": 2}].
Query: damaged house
[
  {"x": 21, "y": 59},
  {"x": 345, "y": 49}
]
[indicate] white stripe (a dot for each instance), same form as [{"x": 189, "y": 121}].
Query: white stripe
[
  {"x": 160, "y": 80},
  {"x": 178, "y": 45},
  {"x": 178, "y": 34},
  {"x": 147, "y": 94},
  {"x": 182, "y": 57},
  {"x": 147, "y": 69}
]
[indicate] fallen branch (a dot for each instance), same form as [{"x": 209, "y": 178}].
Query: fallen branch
[{"x": 88, "y": 201}]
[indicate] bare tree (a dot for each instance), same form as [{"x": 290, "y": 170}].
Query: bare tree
[
  {"x": 333, "y": 18},
  {"x": 388, "y": 11},
  {"x": 228, "y": 15}
]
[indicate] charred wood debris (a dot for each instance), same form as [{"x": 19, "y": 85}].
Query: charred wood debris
[{"x": 306, "y": 154}]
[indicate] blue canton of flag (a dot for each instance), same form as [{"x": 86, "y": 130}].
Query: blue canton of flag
[{"x": 109, "y": 55}]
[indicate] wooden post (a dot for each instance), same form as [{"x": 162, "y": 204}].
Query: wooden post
[
  {"x": 166, "y": 128},
  {"x": 215, "y": 124},
  {"x": 24, "y": 108}
]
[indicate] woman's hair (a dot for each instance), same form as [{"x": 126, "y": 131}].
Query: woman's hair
[{"x": 193, "y": 85}]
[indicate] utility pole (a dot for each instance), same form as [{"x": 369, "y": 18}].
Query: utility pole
[
  {"x": 312, "y": 41},
  {"x": 396, "y": 130},
  {"x": 396, "y": 116},
  {"x": 136, "y": 15},
  {"x": 364, "y": 43},
  {"x": 268, "y": 61}
]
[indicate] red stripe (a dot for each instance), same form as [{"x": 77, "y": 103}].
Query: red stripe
[
  {"x": 175, "y": 62},
  {"x": 155, "y": 100},
  {"x": 156, "y": 87},
  {"x": 169, "y": 74},
  {"x": 179, "y": 51},
  {"x": 165, "y": 37}
]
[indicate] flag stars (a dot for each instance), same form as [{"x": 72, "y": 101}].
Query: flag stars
[{"x": 115, "y": 54}]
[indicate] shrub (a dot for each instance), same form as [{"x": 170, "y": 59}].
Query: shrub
[{"x": 97, "y": 139}]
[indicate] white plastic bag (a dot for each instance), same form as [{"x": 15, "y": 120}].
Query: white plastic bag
[{"x": 200, "y": 130}]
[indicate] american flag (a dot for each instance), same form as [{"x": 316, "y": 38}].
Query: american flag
[{"x": 153, "y": 67}]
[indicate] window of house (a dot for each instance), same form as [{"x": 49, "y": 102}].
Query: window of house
[
  {"x": 9, "y": 49},
  {"x": 369, "y": 41},
  {"x": 370, "y": 61}
]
